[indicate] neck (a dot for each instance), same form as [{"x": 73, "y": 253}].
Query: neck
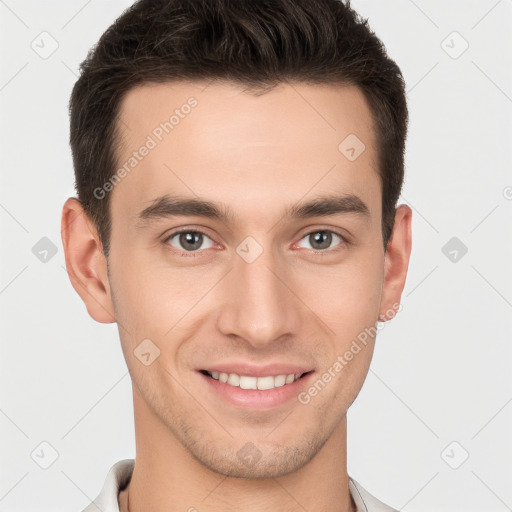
[{"x": 166, "y": 477}]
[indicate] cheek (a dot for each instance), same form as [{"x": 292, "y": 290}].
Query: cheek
[
  {"x": 346, "y": 297},
  {"x": 138, "y": 295},
  {"x": 155, "y": 300},
  {"x": 349, "y": 305}
]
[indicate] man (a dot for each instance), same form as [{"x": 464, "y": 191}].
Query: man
[{"x": 238, "y": 165}]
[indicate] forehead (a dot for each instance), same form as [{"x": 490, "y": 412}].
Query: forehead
[{"x": 220, "y": 142}]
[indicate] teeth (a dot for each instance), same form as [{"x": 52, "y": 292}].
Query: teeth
[
  {"x": 246, "y": 382},
  {"x": 266, "y": 382},
  {"x": 280, "y": 380},
  {"x": 262, "y": 383},
  {"x": 234, "y": 379}
]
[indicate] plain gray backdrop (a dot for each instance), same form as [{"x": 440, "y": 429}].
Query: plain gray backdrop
[{"x": 430, "y": 430}]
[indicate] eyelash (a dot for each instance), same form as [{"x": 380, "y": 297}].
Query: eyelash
[{"x": 194, "y": 254}]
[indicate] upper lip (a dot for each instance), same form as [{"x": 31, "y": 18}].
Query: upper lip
[{"x": 251, "y": 370}]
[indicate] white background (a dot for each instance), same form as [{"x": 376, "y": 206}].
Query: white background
[{"x": 441, "y": 369}]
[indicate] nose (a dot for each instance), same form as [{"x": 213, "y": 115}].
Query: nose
[{"x": 259, "y": 303}]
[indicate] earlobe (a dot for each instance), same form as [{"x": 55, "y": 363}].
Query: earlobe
[
  {"x": 85, "y": 262},
  {"x": 396, "y": 263}
]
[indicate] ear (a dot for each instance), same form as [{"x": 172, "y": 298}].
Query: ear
[
  {"x": 396, "y": 263},
  {"x": 85, "y": 262}
]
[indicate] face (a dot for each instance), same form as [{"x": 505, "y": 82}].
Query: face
[{"x": 275, "y": 269}]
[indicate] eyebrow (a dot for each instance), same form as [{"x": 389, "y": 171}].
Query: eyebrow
[{"x": 321, "y": 206}]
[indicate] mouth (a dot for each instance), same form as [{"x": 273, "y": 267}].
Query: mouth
[{"x": 263, "y": 383}]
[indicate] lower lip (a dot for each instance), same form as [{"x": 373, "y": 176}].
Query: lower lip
[{"x": 257, "y": 398}]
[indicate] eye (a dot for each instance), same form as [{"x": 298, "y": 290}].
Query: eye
[
  {"x": 321, "y": 239},
  {"x": 189, "y": 240}
]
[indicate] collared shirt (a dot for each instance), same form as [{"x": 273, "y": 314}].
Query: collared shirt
[{"x": 120, "y": 474}]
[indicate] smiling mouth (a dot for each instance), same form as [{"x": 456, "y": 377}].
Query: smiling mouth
[{"x": 258, "y": 383}]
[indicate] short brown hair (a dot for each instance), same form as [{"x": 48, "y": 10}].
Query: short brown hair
[{"x": 257, "y": 43}]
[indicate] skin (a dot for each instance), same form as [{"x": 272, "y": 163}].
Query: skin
[{"x": 257, "y": 155}]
